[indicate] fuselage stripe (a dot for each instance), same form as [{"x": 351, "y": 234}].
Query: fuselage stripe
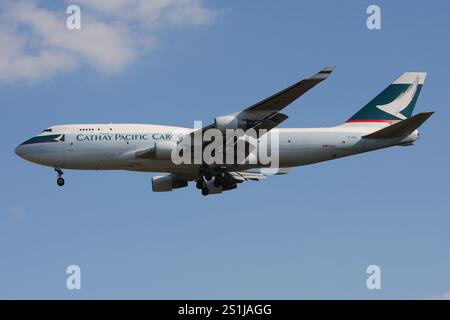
[{"x": 370, "y": 120}]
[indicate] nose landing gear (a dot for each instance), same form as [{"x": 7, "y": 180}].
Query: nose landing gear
[{"x": 60, "y": 181}]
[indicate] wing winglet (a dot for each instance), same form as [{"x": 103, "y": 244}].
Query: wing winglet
[{"x": 324, "y": 73}]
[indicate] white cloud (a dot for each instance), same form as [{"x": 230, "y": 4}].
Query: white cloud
[
  {"x": 35, "y": 43},
  {"x": 153, "y": 13}
]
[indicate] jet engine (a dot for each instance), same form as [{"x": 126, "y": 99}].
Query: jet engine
[{"x": 167, "y": 183}]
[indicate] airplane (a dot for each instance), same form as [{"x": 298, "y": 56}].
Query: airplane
[{"x": 385, "y": 121}]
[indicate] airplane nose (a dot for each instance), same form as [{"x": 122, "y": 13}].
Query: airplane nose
[{"x": 19, "y": 151}]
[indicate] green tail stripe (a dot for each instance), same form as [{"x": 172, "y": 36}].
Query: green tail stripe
[{"x": 371, "y": 111}]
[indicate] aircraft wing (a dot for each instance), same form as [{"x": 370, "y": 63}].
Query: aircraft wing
[
  {"x": 266, "y": 113},
  {"x": 282, "y": 99}
]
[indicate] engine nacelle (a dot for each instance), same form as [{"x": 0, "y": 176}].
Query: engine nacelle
[
  {"x": 226, "y": 122},
  {"x": 167, "y": 183},
  {"x": 163, "y": 149}
]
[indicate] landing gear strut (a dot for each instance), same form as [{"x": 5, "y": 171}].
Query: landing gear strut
[
  {"x": 204, "y": 175},
  {"x": 60, "y": 181},
  {"x": 218, "y": 180}
]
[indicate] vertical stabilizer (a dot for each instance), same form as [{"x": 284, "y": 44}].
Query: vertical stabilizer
[{"x": 396, "y": 102}]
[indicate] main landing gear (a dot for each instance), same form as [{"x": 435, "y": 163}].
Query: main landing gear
[
  {"x": 205, "y": 191},
  {"x": 204, "y": 175},
  {"x": 218, "y": 180},
  {"x": 219, "y": 177},
  {"x": 60, "y": 181},
  {"x": 201, "y": 185}
]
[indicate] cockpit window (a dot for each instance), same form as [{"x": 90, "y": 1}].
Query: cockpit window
[{"x": 47, "y": 130}]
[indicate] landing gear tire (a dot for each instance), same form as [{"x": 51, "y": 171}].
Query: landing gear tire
[
  {"x": 208, "y": 176},
  {"x": 60, "y": 181},
  {"x": 227, "y": 179},
  {"x": 205, "y": 191},
  {"x": 218, "y": 181},
  {"x": 200, "y": 184}
]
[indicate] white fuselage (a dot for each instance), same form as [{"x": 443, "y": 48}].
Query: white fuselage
[{"x": 114, "y": 146}]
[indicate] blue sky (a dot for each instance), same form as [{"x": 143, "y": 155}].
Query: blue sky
[{"x": 309, "y": 234}]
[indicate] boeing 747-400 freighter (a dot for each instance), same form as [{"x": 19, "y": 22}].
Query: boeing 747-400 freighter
[{"x": 386, "y": 121}]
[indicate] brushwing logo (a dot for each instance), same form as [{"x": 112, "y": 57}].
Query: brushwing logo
[
  {"x": 60, "y": 138},
  {"x": 401, "y": 102}
]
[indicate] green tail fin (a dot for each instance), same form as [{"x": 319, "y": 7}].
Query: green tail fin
[{"x": 396, "y": 102}]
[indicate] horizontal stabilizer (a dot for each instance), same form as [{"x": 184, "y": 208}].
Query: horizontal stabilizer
[{"x": 401, "y": 128}]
